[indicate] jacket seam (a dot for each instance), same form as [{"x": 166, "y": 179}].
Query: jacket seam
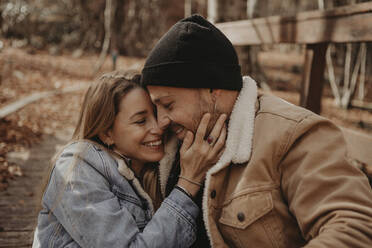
[
  {"x": 53, "y": 236},
  {"x": 72, "y": 222},
  {"x": 128, "y": 198},
  {"x": 247, "y": 191},
  {"x": 285, "y": 117},
  {"x": 180, "y": 214},
  {"x": 290, "y": 137},
  {"x": 99, "y": 152}
]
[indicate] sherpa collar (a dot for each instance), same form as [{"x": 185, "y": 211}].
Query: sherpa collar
[
  {"x": 239, "y": 138},
  {"x": 240, "y": 128},
  {"x": 165, "y": 165}
]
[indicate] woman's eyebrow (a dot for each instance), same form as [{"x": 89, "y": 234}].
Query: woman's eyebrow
[{"x": 138, "y": 113}]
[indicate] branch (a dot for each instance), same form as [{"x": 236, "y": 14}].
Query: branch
[
  {"x": 361, "y": 93},
  {"x": 350, "y": 89},
  {"x": 331, "y": 74}
]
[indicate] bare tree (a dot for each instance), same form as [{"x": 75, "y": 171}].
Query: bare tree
[{"x": 109, "y": 12}]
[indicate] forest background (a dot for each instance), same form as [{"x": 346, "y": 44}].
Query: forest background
[{"x": 61, "y": 46}]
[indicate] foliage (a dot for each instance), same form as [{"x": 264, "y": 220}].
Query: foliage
[{"x": 137, "y": 24}]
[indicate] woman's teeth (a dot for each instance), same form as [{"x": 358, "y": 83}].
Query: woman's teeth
[{"x": 154, "y": 143}]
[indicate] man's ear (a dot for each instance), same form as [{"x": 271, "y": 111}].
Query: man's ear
[
  {"x": 106, "y": 137},
  {"x": 215, "y": 93}
]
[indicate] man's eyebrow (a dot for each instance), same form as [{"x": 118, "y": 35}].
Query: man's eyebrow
[
  {"x": 138, "y": 113},
  {"x": 157, "y": 100}
]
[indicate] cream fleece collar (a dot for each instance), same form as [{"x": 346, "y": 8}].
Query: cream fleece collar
[
  {"x": 241, "y": 124},
  {"x": 239, "y": 138}
]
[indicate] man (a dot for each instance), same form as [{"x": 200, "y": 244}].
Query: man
[{"x": 284, "y": 179}]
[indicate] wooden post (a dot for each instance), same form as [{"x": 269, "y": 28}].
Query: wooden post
[
  {"x": 188, "y": 8},
  {"x": 313, "y": 77},
  {"x": 213, "y": 13}
]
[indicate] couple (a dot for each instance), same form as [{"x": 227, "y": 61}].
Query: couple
[{"x": 214, "y": 164}]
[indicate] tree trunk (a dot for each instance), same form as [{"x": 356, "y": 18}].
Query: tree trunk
[{"x": 109, "y": 10}]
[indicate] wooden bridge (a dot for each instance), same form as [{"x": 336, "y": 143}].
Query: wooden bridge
[{"x": 20, "y": 203}]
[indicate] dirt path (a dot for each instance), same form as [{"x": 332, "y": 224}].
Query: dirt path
[{"x": 19, "y": 203}]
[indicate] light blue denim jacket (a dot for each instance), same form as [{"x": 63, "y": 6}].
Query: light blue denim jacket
[{"x": 89, "y": 203}]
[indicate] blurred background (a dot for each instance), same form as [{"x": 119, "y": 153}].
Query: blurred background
[{"x": 50, "y": 51}]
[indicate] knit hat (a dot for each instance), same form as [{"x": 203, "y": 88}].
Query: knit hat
[{"x": 193, "y": 54}]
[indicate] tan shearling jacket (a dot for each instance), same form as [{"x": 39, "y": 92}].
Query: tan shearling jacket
[{"x": 284, "y": 180}]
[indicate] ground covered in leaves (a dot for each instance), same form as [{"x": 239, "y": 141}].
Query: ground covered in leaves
[{"x": 23, "y": 72}]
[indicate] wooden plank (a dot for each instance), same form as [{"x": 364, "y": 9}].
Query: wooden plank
[
  {"x": 14, "y": 214},
  {"x": 352, "y": 23},
  {"x": 361, "y": 104},
  {"x": 19, "y": 225},
  {"x": 16, "y": 239},
  {"x": 313, "y": 77},
  {"x": 20, "y": 203},
  {"x": 305, "y": 85}
]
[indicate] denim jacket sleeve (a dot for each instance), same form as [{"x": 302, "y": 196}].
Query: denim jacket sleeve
[{"x": 92, "y": 215}]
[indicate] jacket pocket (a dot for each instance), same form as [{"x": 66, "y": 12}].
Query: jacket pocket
[{"x": 244, "y": 210}]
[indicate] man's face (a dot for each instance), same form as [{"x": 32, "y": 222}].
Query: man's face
[{"x": 180, "y": 109}]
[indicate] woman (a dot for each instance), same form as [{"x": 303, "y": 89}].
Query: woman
[{"x": 104, "y": 190}]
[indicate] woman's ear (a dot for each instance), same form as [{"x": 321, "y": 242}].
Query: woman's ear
[{"x": 106, "y": 137}]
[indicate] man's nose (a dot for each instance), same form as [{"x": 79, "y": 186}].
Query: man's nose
[{"x": 163, "y": 120}]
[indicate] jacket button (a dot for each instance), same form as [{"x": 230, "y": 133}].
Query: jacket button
[
  {"x": 213, "y": 194},
  {"x": 241, "y": 216}
]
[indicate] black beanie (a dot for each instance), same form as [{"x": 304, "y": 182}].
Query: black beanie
[{"x": 193, "y": 54}]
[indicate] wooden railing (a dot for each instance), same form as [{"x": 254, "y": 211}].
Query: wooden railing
[{"x": 315, "y": 29}]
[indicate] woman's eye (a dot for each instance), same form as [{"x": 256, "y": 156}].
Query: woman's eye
[{"x": 142, "y": 121}]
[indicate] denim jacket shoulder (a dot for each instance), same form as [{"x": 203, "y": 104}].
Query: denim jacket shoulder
[{"x": 89, "y": 203}]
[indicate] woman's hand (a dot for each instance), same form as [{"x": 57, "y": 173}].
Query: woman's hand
[{"x": 198, "y": 155}]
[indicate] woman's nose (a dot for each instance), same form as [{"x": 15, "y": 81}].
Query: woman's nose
[{"x": 156, "y": 129}]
